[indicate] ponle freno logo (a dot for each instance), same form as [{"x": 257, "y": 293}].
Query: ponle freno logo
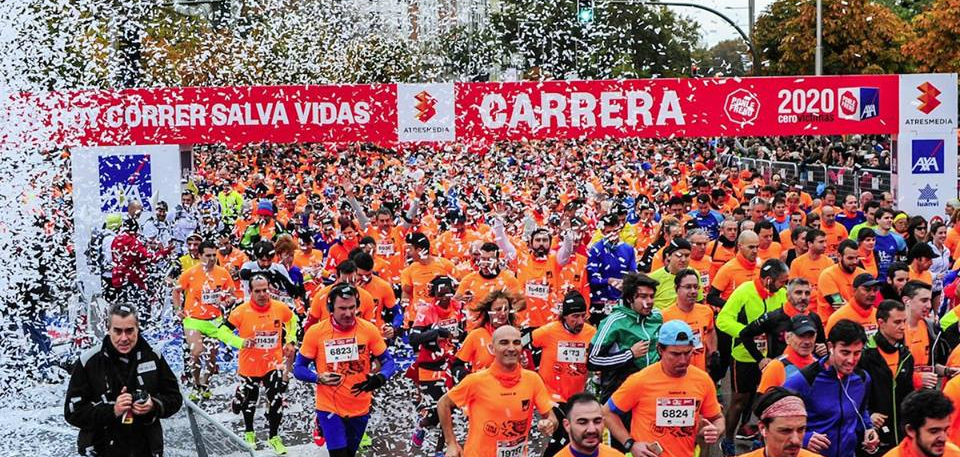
[
  {"x": 928, "y": 97},
  {"x": 426, "y": 106},
  {"x": 859, "y": 103},
  {"x": 742, "y": 107}
]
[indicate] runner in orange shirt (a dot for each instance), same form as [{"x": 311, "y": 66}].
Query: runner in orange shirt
[
  {"x": 415, "y": 279},
  {"x": 538, "y": 273},
  {"x": 500, "y": 401},
  {"x": 563, "y": 363},
  {"x": 867, "y": 240},
  {"x": 783, "y": 424},
  {"x": 698, "y": 317},
  {"x": 232, "y": 259},
  {"x": 208, "y": 290},
  {"x": 723, "y": 248},
  {"x": 768, "y": 248},
  {"x": 269, "y": 330},
  {"x": 836, "y": 282},
  {"x": 699, "y": 260},
  {"x": 309, "y": 261},
  {"x": 488, "y": 278},
  {"x": 454, "y": 244},
  {"x": 671, "y": 403},
  {"x": 921, "y": 258},
  {"x": 583, "y": 423},
  {"x": 810, "y": 265},
  {"x": 740, "y": 269},
  {"x": 927, "y": 416},
  {"x": 498, "y": 309},
  {"x": 346, "y": 274},
  {"x": 384, "y": 299},
  {"x": 343, "y": 348},
  {"x": 834, "y": 232},
  {"x": 861, "y": 309}
]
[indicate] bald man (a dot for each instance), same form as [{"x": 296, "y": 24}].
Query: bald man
[
  {"x": 499, "y": 400},
  {"x": 834, "y": 232}
]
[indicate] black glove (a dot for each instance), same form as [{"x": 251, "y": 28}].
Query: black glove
[
  {"x": 444, "y": 333},
  {"x": 373, "y": 382}
]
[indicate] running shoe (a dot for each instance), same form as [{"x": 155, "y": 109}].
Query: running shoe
[
  {"x": 747, "y": 432},
  {"x": 251, "y": 439},
  {"x": 728, "y": 447},
  {"x": 318, "y": 439},
  {"x": 366, "y": 441},
  {"x": 277, "y": 445}
]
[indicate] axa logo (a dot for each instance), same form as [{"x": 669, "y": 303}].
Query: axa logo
[
  {"x": 928, "y": 97},
  {"x": 426, "y": 106},
  {"x": 927, "y": 157}
]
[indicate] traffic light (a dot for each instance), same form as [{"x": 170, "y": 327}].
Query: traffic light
[{"x": 585, "y": 11}]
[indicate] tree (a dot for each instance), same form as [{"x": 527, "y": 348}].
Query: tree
[
  {"x": 936, "y": 48},
  {"x": 859, "y": 36},
  {"x": 725, "y": 58},
  {"x": 906, "y": 9}
]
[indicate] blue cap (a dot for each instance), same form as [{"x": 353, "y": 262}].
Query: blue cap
[{"x": 676, "y": 333}]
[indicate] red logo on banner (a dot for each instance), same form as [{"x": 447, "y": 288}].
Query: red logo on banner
[
  {"x": 928, "y": 100},
  {"x": 425, "y": 106},
  {"x": 849, "y": 104},
  {"x": 742, "y": 107}
]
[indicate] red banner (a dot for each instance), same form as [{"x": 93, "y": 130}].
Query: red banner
[{"x": 478, "y": 112}]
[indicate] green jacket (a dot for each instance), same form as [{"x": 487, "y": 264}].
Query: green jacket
[
  {"x": 231, "y": 203},
  {"x": 743, "y": 307},
  {"x": 610, "y": 348}
]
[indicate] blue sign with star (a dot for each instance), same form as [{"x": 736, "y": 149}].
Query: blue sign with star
[{"x": 928, "y": 197}]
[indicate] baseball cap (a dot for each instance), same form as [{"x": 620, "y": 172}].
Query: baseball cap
[
  {"x": 864, "y": 279},
  {"x": 801, "y": 324},
  {"x": 922, "y": 251},
  {"x": 676, "y": 333}
]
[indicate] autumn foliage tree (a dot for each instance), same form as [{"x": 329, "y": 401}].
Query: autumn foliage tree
[
  {"x": 937, "y": 46},
  {"x": 859, "y": 36}
]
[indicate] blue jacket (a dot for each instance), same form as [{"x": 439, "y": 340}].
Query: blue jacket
[
  {"x": 709, "y": 222},
  {"x": 604, "y": 262},
  {"x": 836, "y": 408}
]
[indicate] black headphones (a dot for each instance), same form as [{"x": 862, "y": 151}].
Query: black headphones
[{"x": 342, "y": 290}]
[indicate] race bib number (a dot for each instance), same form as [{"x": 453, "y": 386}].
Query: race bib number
[
  {"x": 385, "y": 249},
  {"x": 515, "y": 448},
  {"x": 761, "y": 342},
  {"x": 538, "y": 291},
  {"x": 923, "y": 368},
  {"x": 450, "y": 325},
  {"x": 209, "y": 297},
  {"x": 676, "y": 412},
  {"x": 571, "y": 352},
  {"x": 266, "y": 340},
  {"x": 697, "y": 340},
  {"x": 871, "y": 329},
  {"x": 341, "y": 350},
  {"x": 704, "y": 279}
]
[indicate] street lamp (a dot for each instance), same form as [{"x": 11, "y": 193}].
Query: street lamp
[{"x": 818, "y": 66}]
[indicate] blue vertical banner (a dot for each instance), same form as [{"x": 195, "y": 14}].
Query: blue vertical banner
[{"x": 124, "y": 178}]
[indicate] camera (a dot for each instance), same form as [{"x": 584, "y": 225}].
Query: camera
[{"x": 141, "y": 396}]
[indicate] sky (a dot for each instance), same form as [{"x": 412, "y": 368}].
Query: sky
[{"x": 715, "y": 29}]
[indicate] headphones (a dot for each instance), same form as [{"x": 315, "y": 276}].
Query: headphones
[{"x": 342, "y": 290}]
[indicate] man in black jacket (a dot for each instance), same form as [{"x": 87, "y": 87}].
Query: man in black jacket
[
  {"x": 890, "y": 384},
  {"x": 119, "y": 391}
]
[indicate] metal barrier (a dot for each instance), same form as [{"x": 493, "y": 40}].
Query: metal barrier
[{"x": 812, "y": 176}]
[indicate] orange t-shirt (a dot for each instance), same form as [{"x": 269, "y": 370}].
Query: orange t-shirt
[
  {"x": 319, "y": 311},
  {"x": 786, "y": 242},
  {"x": 417, "y": 276},
  {"x": 918, "y": 341},
  {"x": 733, "y": 273},
  {"x": 953, "y": 238},
  {"x": 704, "y": 267},
  {"x": 203, "y": 291},
  {"x": 834, "y": 280},
  {"x": 869, "y": 262},
  {"x": 266, "y": 327},
  {"x": 455, "y": 246},
  {"x": 853, "y": 312},
  {"x": 775, "y": 373},
  {"x": 233, "y": 262},
  {"x": 348, "y": 353},
  {"x": 538, "y": 280},
  {"x": 310, "y": 264},
  {"x": 499, "y": 417},
  {"x": 383, "y": 297},
  {"x": 603, "y": 451},
  {"x": 805, "y": 267},
  {"x": 771, "y": 252},
  {"x": 480, "y": 287},
  {"x": 952, "y": 391},
  {"x": 953, "y": 360},
  {"x": 925, "y": 277},
  {"x": 475, "y": 350},
  {"x": 719, "y": 255},
  {"x": 835, "y": 235},
  {"x": 667, "y": 409},
  {"x": 563, "y": 365},
  {"x": 391, "y": 249},
  {"x": 700, "y": 319},
  {"x": 573, "y": 277}
]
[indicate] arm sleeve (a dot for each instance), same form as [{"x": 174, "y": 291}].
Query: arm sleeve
[
  {"x": 714, "y": 299},
  {"x": 81, "y": 408},
  {"x": 290, "y": 329},
  {"x": 358, "y": 211},
  {"x": 503, "y": 241},
  {"x": 753, "y": 329},
  {"x": 422, "y": 335},
  {"x": 387, "y": 365},
  {"x": 566, "y": 251},
  {"x": 302, "y": 369},
  {"x": 412, "y": 212},
  {"x": 727, "y": 318}
]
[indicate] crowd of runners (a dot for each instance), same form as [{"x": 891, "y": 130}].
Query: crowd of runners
[{"x": 604, "y": 293}]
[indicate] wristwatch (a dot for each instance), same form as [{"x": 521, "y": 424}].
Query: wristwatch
[{"x": 628, "y": 444}]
